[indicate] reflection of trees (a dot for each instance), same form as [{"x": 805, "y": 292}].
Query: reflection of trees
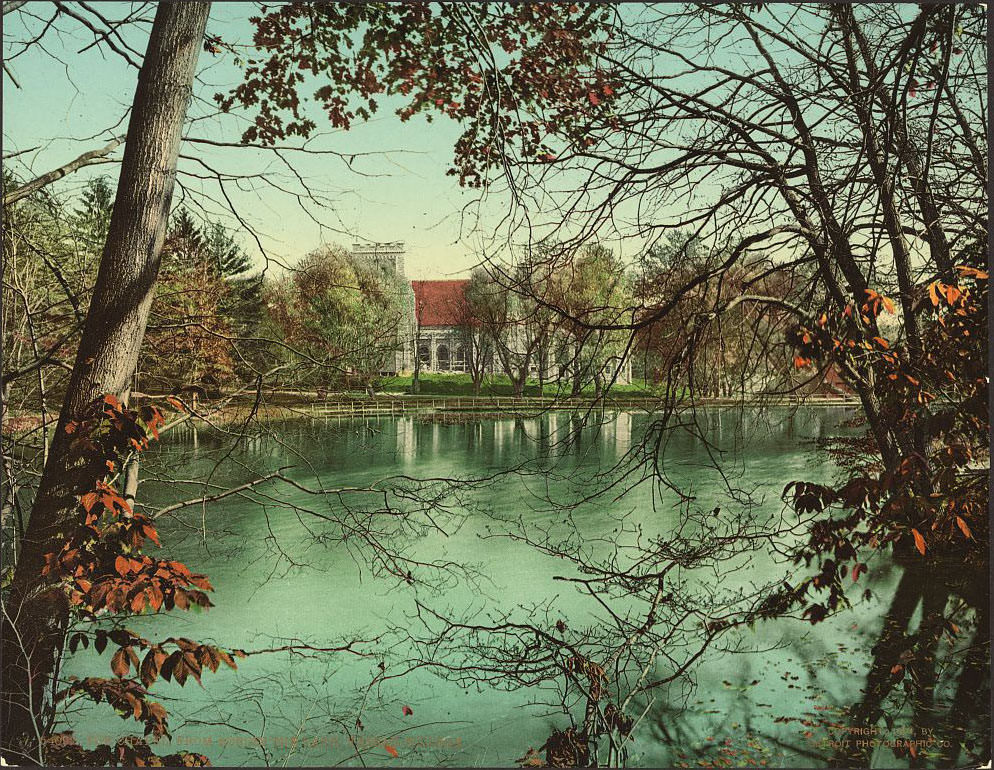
[
  {"x": 816, "y": 161},
  {"x": 835, "y": 168}
]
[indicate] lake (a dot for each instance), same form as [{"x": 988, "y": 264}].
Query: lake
[{"x": 285, "y": 574}]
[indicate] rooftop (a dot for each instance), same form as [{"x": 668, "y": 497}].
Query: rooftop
[{"x": 440, "y": 303}]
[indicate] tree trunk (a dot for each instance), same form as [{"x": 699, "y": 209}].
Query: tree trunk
[
  {"x": 105, "y": 361},
  {"x": 880, "y": 680},
  {"x": 577, "y": 372},
  {"x": 972, "y": 692},
  {"x": 924, "y": 674},
  {"x": 416, "y": 378}
]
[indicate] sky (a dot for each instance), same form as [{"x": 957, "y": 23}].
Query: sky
[
  {"x": 70, "y": 102},
  {"x": 71, "y": 97}
]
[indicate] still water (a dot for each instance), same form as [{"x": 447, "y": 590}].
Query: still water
[{"x": 284, "y": 574}]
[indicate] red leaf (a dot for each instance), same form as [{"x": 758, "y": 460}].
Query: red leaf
[
  {"x": 593, "y": 98},
  {"x": 407, "y": 711},
  {"x": 151, "y": 534},
  {"x": 963, "y": 527},
  {"x": 119, "y": 664},
  {"x": 155, "y": 600},
  {"x": 123, "y": 565},
  {"x": 857, "y": 569},
  {"x": 391, "y": 750},
  {"x": 149, "y": 668},
  {"x": 919, "y": 541}
]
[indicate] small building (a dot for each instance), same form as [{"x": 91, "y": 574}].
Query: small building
[
  {"x": 440, "y": 323},
  {"x": 439, "y": 327}
]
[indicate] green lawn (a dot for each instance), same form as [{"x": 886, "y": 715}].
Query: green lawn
[{"x": 436, "y": 384}]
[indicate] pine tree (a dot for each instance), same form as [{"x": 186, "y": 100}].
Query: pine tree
[
  {"x": 184, "y": 241},
  {"x": 96, "y": 206},
  {"x": 226, "y": 257}
]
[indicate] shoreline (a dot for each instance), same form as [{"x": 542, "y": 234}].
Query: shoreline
[{"x": 283, "y": 405}]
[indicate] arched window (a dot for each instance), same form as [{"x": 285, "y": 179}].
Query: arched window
[{"x": 424, "y": 354}]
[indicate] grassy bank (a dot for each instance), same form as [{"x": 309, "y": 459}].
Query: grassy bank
[{"x": 435, "y": 384}]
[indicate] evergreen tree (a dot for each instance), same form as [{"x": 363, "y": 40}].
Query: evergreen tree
[{"x": 95, "y": 207}]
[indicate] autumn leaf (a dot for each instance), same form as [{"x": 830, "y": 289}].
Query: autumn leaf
[
  {"x": 972, "y": 272},
  {"x": 181, "y": 599},
  {"x": 150, "y": 667},
  {"x": 119, "y": 664},
  {"x": 531, "y": 759},
  {"x": 919, "y": 541},
  {"x": 123, "y": 565},
  {"x": 407, "y": 711},
  {"x": 963, "y": 527},
  {"x": 391, "y": 750},
  {"x": 151, "y": 534},
  {"x": 138, "y": 602}
]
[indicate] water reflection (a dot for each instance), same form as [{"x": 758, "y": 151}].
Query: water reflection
[{"x": 283, "y": 573}]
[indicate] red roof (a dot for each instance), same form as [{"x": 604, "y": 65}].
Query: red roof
[
  {"x": 834, "y": 382},
  {"x": 440, "y": 303}
]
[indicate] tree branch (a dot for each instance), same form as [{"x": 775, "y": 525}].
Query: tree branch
[{"x": 86, "y": 159}]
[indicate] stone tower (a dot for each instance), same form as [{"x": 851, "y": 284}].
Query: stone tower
[{"x": 389, "y": 256}]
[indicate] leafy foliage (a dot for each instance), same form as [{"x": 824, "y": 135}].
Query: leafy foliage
[
  {"x": 339, "y": 315},
  {"x": 930, "y": 500},
  {"x": 509, "y": 72},
  {"x": 206, "y": 299},
  {"x": 104, "y": 570}
]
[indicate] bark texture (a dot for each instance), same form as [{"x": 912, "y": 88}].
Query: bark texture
[{"x": 35, "y": 612}]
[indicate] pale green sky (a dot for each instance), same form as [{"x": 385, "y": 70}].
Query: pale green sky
[
  {"x": 405, "y": 195},
  {"x": 71, "y": 101}
]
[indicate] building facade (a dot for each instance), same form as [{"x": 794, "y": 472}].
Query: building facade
[
  {"x": 438, "y": 327},
  {"x": 436, "y": 334}
]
